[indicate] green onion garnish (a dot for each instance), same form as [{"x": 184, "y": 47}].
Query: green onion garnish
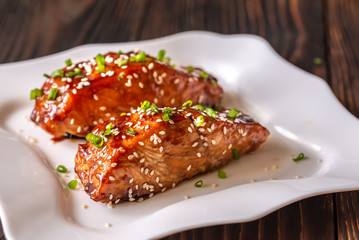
[
  {"x": 141, "y": 57},
  {"x": 120, "y": 76},
  {"x": 204, "y": 74},
  {"x": 68, "y": 62},
  {"x": 46, "y": 75},
  {"x": 210, "y": 112},
  {"x": 199, "y": 184},
  {"x": 35, "y": 93},
  {"x": 168, "y": 110},
  {"x": 80, "y": 76},
  {"x": 95, "y": 140},
  {"x": 166, "y": 117},
  {"x": 122, "y": 62},
  {"x": 236, "y": 154},
  {"x": 57, "y": 73},
  {"x": 145, "y": 105},
  {"x": 108, "y": 130},
  {"x": 189, "y": 103},
  {"x": 222, "y": 174},
  {"x": 173, "y": 65},
  {"x": 299, "y": 157},
  {"x": 232, "y": 113},
  {"x": 214, "y": 82},
  {"x": 155, "y": 108},
  {"x": 131, "y": 131},
  {"x": 198, "y": 121},
  {"x": 72, "y": 184},
  {"x": 61, "y": 169},
  {"x": 122, "y": 114},
  {"x": 52, "y": 94},
  {"x": 167, "y": 60},
  {"x": 74, "y": 73},
  {"x": 199, "y": 107},
  {"x": 218, "y": 108},
  {"x": 132, "y": 59},
  {"x": 100, "y": 59},
  {"x": 161, "y": 55},
  {"x": 119, "y": 52},
  {"x": 190, "y": 69}
]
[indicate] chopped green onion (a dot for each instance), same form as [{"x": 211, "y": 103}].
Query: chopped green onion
[
  {"x": 119, "y": 52},
  {"x": 122, "y": 62},
  {"x": 80, "y": 76},
  {"x": 299, "y": 157},
  {"x": 222, "y": 174},
  {"x": 95, "y": 140},
  {"x": 145, "y": 105},
  {"x": 141, "y": 57},
  {"x": 57, "y": 73},
  {"x": 132, "y": 59},
  {"x": 214, "y": 82},
  {"x": 199, "y": 107},
  {"x": 155, "y": 108},
  {"x": 232, "y": 113},
  {"x": 122, "y": 114},
  {"x": 161, "y": 55},
  {"x": 72, "y": 184},
  {"x": 198, "y": 121},
  {"x": 52, "y": 94},
  {"x": 199, "y": 184},
  {"x": 189, "y": 103},
  {"x": 167, "y": 60},
  {"x": 218, "y": 108},
  {"x": 173, "y": 65},
  {"x": 100, "y": 59},
  {"x": 166, "y": 117},
  {"x": 46, "y": 75},
  {"x": 168, "y": 110},
  {"x": 68, "y": 62},
  {"x": 317, "y": 61},
  {"x": 108, "y": 130},
  {"x": 74, "y": 73},
  {"x": 210, "y": 112},
  {"x": 190, "y": 69},
  {"x": 61, "y": 169},
  {"x": 131, "y": 131},
  {"x": 120, "y": 76},
  {"x": 204, "y": 74},
  {"x": 35, "y": 93},
  {"x": 236, "y": 154}
]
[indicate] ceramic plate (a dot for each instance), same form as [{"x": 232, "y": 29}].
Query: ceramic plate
[{"x": 298, "y": 108}]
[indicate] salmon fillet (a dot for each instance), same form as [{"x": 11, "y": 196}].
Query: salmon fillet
[
  {"x": 150, "y": 150},
  {"x": 91, "y": 92}
]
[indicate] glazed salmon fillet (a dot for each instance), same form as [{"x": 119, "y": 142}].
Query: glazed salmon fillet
[
  {"x": 150, "y": 150},
  {"x": 76, "y": 98}
]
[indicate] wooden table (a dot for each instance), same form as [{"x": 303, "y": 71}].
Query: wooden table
[{"x": 299, "y": 30}]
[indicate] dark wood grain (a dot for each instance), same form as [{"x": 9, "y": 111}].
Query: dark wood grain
[{"x": 299, "y": 30}]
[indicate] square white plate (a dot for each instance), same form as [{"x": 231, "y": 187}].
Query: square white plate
[{"x": 298, "y": 108}]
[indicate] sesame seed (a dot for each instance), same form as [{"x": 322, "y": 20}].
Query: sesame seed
[
  {"x": 122, "y": 149},
  {"x": 224, "y": 152},
  {"x": 151, "y": 195},
  {"x": 177, "y": 81},
  {"x": 144, "y": 69},
  {"x": 117, "y": 201},
  {"x": 155, "y": 100},
  {"x": 111, "y": 178},
  {"x": 186, "y": 197},
  {"x": 224, "y": 130},
  {"x": 189, "y": 129},
  {"x": 171, "y": 121},
  {"x": 141, "y": 143},
  {"x": 103, "y": 108},
  {"x": 131, "y": 180},
  {"x": 173, "y": 101},
  {"x": 209, "y": 130},
  {"x": 297, "y": 177},
  {"x": 110, "y": 197},
  {"x": 135, "y": 154},
  {"x": 108, "y": 225},
  {"x": 157, "y": 179},
  {"x": 161, "y": 149},
  {"x": 199, "y": 155},
  {"x": 135, "y": 75},
  {"x": 113, "y": 164},
  {"x": 142, "y": 170},
  {"x": 162, "y": 132},
  {"x": 205, "y": 144},
  {"x": 189, "y": 167},
  {"x": 128, "y": 83},
  {"x": 214, "y": 185},
  {"x": 201, "y": 129},
  {"x": 109, "y": 205},
  {"x": 163, "y": 189},
  {"x": 162, "y": 92},
  {"x": 74, "y": 91},
  {"x": 229, "y": 146},
  {"x": 146, "y": 171},
  {"x": 155, "y": 74},
  {"x": 173, "y": 185},
  {"x": 212, "y": 127},
  {"x": 213, "y": 141},
  {"x": 152, "y": 172},
  {"x": 140, "y": 84},
  {"x": 130, "y": 157},
  {"x": 84, "y": 206},
  {"x": 78, "y": 129},
  {"x": 150, "y": 66}
]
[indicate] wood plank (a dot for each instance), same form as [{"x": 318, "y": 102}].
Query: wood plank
[
  {"x": 37, "y": 28},
  {"x": 343, "y": 64}
]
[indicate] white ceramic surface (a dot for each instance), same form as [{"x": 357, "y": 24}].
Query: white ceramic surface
[{"x": 298, "y": 108}]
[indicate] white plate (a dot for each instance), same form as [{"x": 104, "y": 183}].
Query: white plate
[{"x": 298, "y": 108}]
